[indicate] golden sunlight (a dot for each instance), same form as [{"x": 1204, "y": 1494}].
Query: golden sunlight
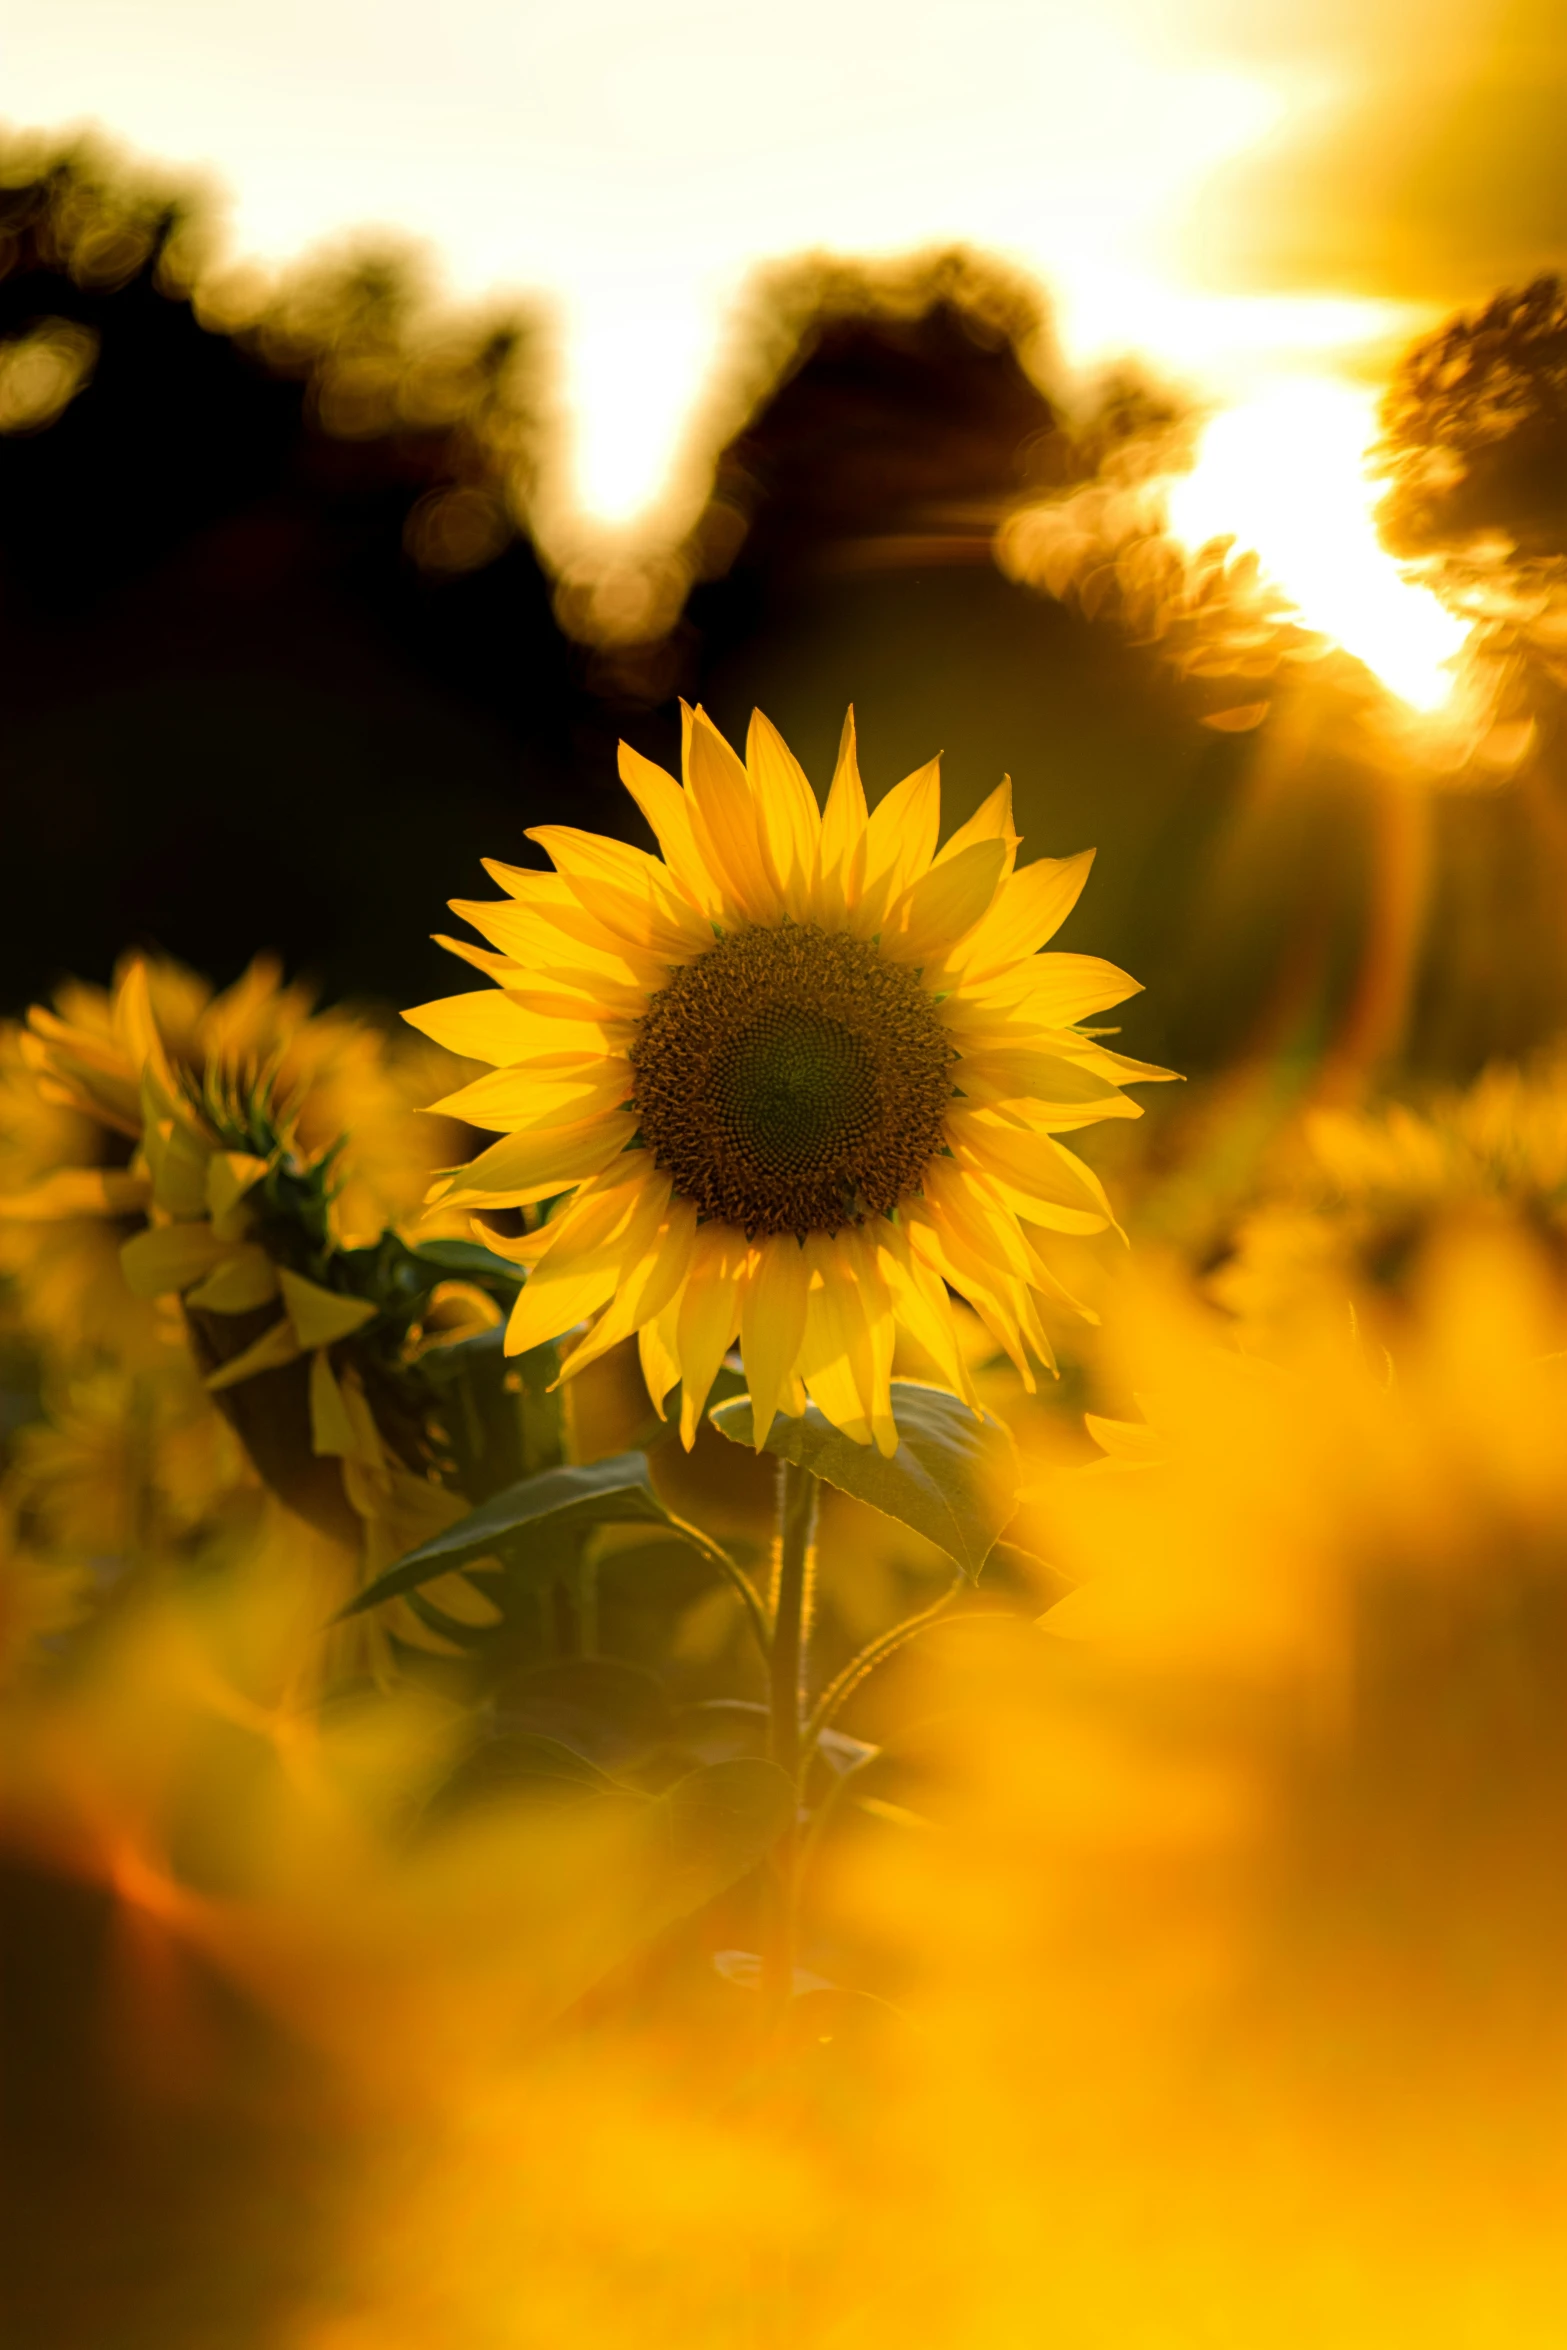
[
  {"x": 1284, "y": 473},
  {"x": 635, "y": 170}
]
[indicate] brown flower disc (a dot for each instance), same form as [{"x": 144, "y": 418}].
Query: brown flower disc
[{"x": 791, "y": 1080}]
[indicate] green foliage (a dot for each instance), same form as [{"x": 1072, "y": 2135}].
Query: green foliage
[
  {"x": 533, "y": 1526},
  {"x": 953, "y": 1478}
]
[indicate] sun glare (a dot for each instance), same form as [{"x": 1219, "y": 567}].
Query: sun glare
[{"x": 1284, "y": 473}]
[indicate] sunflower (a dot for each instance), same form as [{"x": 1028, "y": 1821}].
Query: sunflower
[
  {"x": 75, "y": 1174},
  {"x": 798, "y": 1081}
]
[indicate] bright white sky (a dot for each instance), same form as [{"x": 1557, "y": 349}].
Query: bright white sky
[{"x": 632, "y": 161}]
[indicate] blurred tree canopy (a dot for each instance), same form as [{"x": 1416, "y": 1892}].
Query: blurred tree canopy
[
  {"x": 1475, "y": 428},
  {"x": 282, "y": 661},
  {"x": 278, "y": 660}
]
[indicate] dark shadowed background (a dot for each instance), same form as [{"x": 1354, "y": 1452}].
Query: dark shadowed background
[{"x": 280, "y": 666}]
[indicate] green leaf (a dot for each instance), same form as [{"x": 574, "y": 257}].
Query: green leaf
[
  {"x": 953, "y": 1477},
  {"x": 558, "y": 1501},
  {"x": 710, "y": 1829},
  {"x": 523, "y": 1525},
  {"x": 509, "y": 1762},
  {"x": 614, "y": 1714}
]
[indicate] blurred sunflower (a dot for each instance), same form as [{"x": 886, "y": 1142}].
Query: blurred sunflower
[
  {"x": 74, "y": 1174},
  {"x": 122, "y": 1467},
  {"x": 801, "y": 1076},
  {"x": 1356, "y": 1195}
]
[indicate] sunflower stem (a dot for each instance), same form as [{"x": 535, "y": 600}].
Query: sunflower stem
[{"x": 792, "y": 1580}]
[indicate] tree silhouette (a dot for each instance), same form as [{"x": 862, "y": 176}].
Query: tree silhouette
[{"x": 278, "y": 661}]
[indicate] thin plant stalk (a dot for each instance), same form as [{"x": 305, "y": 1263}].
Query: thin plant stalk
[
  {"x": 792, "y": 1580},
  {"x": 842, "y": 1687}
]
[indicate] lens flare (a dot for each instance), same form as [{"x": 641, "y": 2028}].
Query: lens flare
[{"x": 1284, "y": 473}]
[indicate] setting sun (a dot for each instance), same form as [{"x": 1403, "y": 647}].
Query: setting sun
[{"x": 1284, "y": 473}]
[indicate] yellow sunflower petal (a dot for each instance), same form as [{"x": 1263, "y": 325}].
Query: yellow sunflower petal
[
  {"x": 555, "y": 1090},
  {"x": 881, "y": 1329},
  {"x": 1119, "y": 1068},
  {"x": 462, "y": 1600},
  {"x": 558, "y": 1294},
  {"x": 646, "y": 1288},
  {"x": 709, "y": 1318},
  {"x": 835, "y": 1356},
  {"x": 900, "y": 842},
  {"x": 485, "y": 1026},
  {"x": 668, "y": 814},
  {"x": 176, "y": 1155},
  {"x": 1040, "y": 1089},
  {"x": 601, "y": 1211},
  {"x": 500, "y": 968},
  {"x": 536, "y": 939},
  {"x": 523, "y": 1168},
  {"x": 574, "y": 995},
  {"x": 593, "y": 856},
  {"x": 791, "y": 821},
  {"x": 136, "y": 1025},
  {"x": 666, "y": 929},
  {"x": 1047, "y": 1283},
  {"x": 632, "y": 893},
  {"x": 657, "y": 1353},
  {"x": 921, "y": 1305},
  {"x": 979, "y": 1229},
  {"x": 772, "y": 1326},
  {"x": 531, "y": 885},
  {"x": 726, "y": 823},
  {"x": 991, "y": 1294},
  {"x": 614, "y": 914},
  {"x": 841, "y": 866},
  {"x": 1027, "y": 914},
  {"x": 1040, "y": 1177},
  {"x": 1046, "y": 991},
  {"x": 944, "y": 904},
  {"x": 973, "y": 1217},
  {"x": 992, "y": 820}
]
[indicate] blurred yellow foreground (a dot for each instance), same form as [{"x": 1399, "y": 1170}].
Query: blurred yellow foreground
[{"x": 1194, "y": 1976}]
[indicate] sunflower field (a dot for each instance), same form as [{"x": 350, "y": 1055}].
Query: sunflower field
[
  {"x": 670, "y": 1679},
  {"x": 812, "y": 1595}
]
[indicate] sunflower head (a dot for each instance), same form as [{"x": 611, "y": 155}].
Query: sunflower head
[{"x": 799, "y": 1080}]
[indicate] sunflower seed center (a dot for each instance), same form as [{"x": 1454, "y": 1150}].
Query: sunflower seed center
[{"x": 791, "y": 1080}]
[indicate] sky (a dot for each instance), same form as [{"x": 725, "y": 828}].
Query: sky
[{"x": 1237, "y": 190}]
